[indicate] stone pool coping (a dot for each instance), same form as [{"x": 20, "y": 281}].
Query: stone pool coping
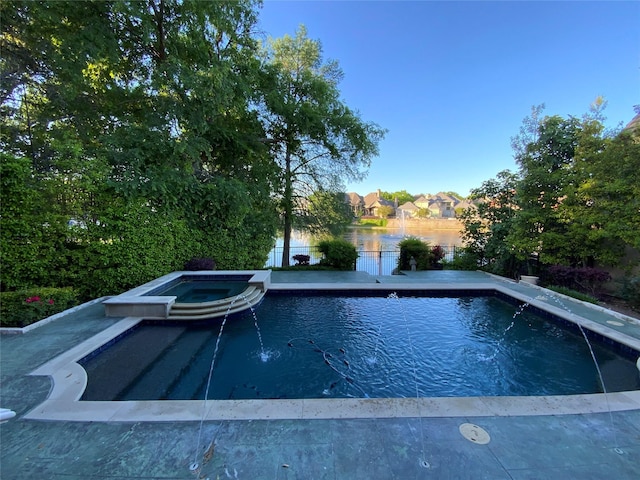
[{"x": 69, "y": 381}]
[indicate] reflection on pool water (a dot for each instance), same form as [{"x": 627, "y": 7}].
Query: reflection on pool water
[{"x": 323, "y": 346}]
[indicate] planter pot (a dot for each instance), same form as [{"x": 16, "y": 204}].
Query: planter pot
[{"x": 533, "y": 280}]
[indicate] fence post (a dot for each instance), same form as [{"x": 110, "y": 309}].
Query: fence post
[{"x": 380, "y": 263}]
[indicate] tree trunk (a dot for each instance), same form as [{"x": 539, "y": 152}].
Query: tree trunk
[{"x": 288, "y": 209}]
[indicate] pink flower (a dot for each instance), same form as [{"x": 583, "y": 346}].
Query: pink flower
[{"x": 50, "y": 301}]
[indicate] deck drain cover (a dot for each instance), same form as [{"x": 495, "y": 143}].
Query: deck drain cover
[
  {"x": 474, "y": 433},
  {"x": 613, "y": 322}
]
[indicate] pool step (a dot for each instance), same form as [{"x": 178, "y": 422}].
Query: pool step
[
  {"x": 154, "y": 383},
  {"x": 126, "y": 361},
  {"x": 217, "y": 308}
]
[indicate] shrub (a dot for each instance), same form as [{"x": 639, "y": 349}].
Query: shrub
[
  {"x": 372, "y": 222},
  {"x": 24, "y": 307},
  {"x": 583, "y": 279},
  {"x": 338, "y": 254},
  {"x": 631, "y": 292},
  {"x": 463, "y": 260},
  {"x": 416, "y": 248},
  {"x": 437, "y": 254},
  {"x": 572, "y": 293},
  {"x": 200, "y": 263}
]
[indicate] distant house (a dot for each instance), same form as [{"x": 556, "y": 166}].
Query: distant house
[
  {"x": 422, "y": 201},
  {"x": 407, "y": 210},
  {"x": 355, "y": 202},
  {"x": 634, "y": 125},
  {"x": 463, "y": 205},
  {"x": 372, "y": 202},
  {"x": 442, "y": 205}
]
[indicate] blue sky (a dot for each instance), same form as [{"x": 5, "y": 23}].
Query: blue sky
[{"x": 452, "y": 81}]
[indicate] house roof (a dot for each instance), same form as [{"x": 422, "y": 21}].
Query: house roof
[
  {"x": 634, "y": 125},
  {"x": 445, "y": 197},
  {"x": 408, "y": 206},
  {"x": 464, "y": 204},
  {"x": 352, "y": 198},
  {"x": 374, "y": 200}
]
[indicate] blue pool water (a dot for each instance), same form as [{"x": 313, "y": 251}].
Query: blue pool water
[
  {"x": 198, "y": 291},
  {"x": 334, "y": 347}
]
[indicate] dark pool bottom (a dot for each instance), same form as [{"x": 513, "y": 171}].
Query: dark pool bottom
[{"x": 337, "y": 347}]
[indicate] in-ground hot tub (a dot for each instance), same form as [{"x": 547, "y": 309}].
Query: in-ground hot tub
[{"x": 192, "y": 295}]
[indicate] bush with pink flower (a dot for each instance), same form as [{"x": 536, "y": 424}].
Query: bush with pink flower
[{"x": 23, "y": 307}]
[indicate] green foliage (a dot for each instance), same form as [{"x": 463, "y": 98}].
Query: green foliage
[
  {"x": 199, "y": 263},
  {"x": 338, "y": 253},
  {"x": 315, "y": 139},
  {"x": 385, "y": 211},
  {"x": 573, "y": 293},
  {"x": 608, "y": 198},
  {"x": 486, "y": 226},
  {"x": 136, "y": 122},
  {"x": 455, "y": 194},
  {"x": 131, "y": 245},
  {"x": 24, "y": 307},
  {"x": 546, "y": 168},
  {"x": 416, "y": 248},
  {"x": 423, "y": 213},
  {"x": 326, "y": 214},
  {"x": 31, "y": 238},
  {"x": 631, "y": 292},
  {"x": 463, "y": 259},
  {"x": 565, "y": 187},
  {"x": 401, "y": 196},
  {"x": 372, "y": 222}
]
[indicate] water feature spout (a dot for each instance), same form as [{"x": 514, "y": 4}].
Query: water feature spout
[
  {"x": 264, "y": 355},
  {"x": 195, "y": 467},
  {"x": 561, "y": 304}
]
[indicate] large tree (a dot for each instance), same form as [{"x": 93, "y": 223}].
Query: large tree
[
  {"x": 607, "y": 201},
  {"x": 547, "y": 171},
  {"x": 487, "y": 224},
  {"x": 140, "y": 112},
  {"x": 555, "y": 220},
  {"x": 317, "y": 141}
]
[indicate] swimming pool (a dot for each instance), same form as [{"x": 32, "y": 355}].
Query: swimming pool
[
  {"x": 69, "y": 378},
  {"x": 319, "y": 345}
]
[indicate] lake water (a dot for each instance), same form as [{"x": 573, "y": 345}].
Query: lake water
[
  {"x": 388, "y": 239},
  {"x": 368, "y": 242},
  {"x": 377, "y": 239}
]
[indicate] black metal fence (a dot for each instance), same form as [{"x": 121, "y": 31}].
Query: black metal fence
[{"x": 381, "y": 262}]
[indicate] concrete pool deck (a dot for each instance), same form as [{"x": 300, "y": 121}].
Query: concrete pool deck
[{"x": 573, "y": 438}]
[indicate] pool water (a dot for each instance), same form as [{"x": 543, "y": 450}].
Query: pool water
[
  {"x": 199, "y": 291},
  {"x": 379, "y": 347}
]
